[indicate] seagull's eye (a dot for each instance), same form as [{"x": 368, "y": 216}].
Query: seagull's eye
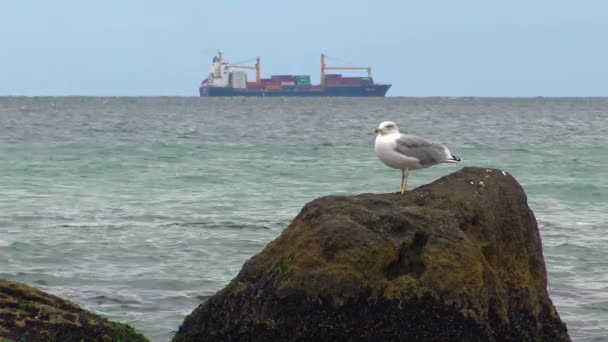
[{"x": 389, "y": 126}]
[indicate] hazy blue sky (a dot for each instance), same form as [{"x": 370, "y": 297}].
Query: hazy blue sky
[{"x": 424, "y": 48}]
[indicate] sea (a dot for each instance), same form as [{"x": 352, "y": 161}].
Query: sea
[{"x": 140, "y": 208}]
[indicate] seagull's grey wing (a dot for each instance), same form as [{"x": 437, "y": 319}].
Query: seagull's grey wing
[{"x": 425, "y": 152}]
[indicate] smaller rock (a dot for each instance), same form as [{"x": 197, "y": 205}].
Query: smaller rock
[{"x": 27, "y": 314}]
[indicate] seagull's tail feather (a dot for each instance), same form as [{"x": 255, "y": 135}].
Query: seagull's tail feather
[
  {"x": 453, "y": 159},
  {"x": 448, "y": 157}
]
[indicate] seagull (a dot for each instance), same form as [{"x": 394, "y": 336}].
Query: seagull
[{"x": 408, "y": 152}]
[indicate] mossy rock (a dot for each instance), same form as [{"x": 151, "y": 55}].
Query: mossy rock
[
  {"x": 456, "y": 260},
  {"x": 27, "y": 314}
]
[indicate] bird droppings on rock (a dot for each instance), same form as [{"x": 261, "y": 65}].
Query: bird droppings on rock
[{"x": 503, "y": 173}]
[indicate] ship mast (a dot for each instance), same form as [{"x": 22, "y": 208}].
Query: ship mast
[
  {"x": 258, "y": 71},
  {"x": 324, "y": 67},
  {"x": 257, "y": 68}
]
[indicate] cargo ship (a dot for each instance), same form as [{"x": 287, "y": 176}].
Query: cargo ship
[{"x": 223, "y": 81}]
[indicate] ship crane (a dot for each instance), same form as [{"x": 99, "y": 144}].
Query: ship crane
[
  {"x": 325, "y": 67},
  {"x": 257, "y": 68}
]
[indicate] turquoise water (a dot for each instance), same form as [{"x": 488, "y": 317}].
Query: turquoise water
[{"x": 140, "y": 208}]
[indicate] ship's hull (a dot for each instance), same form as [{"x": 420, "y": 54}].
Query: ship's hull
[{"x": 376, "y": 90}]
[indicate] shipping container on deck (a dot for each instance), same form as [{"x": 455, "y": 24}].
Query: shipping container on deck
[
  {"x": 285, "y": 78},
  {"x": 302, "y": 79},
  {"x": 238, "y": 79},
  {"x": 351, "y": 80},
  {"x": 333, "y": 76},
  {"x": 332, "y": 82}
]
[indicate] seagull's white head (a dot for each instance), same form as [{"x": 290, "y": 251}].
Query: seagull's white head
[{"x": 387, "y": 127}]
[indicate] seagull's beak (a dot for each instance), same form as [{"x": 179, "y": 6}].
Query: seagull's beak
[{"x": 377, "y": 130}]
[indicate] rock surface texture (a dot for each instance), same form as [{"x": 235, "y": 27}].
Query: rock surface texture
[
  {"x": 27, "y": 314},
  {"x": 456, "y": 260}
]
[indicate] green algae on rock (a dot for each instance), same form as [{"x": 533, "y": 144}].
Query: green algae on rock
[
  {"x": 27, "y": 314},
  {"x": 459, "y": 259}
]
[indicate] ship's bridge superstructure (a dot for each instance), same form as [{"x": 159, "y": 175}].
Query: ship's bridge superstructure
[{"x": 219, "y": 76}]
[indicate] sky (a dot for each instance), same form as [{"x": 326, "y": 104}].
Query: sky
[{"x": 423, "y": 48}]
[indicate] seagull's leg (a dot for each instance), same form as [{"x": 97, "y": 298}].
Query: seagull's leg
[
  {"x": 405, "y": 173},
  {"x": 402, "y": 181}
]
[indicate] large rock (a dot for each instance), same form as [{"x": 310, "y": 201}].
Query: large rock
[
  {"x": 456, "y": 260},
  {"x": 27, "y": 314}
]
